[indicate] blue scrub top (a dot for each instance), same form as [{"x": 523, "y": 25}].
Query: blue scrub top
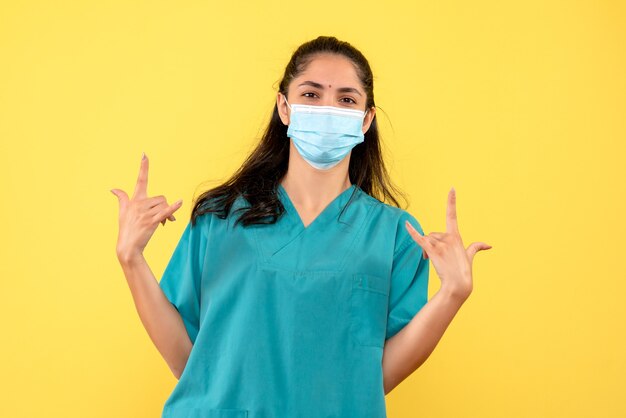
[{"x": 289, "y": 321}]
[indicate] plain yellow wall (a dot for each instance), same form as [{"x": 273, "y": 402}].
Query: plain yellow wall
[{"x": 519, "y": 105}]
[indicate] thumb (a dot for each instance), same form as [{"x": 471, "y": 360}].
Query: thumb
[
  {"x": 122, "y": 197},
  {"x": 475, "y": 247}
]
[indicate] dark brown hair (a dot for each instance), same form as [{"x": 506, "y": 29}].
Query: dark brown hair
[{"x": 258, "y": 178}]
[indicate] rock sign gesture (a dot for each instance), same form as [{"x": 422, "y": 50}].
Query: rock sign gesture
[
  {"x": 452, "y": 261},
  {"x": 140, "y": 215}
]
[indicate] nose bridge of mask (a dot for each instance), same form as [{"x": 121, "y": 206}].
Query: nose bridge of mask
[{"x": 301, "y": 108}]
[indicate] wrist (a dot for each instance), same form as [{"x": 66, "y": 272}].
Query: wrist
[
  {"x": 129, "y": 258},
  {"x": 455, "y": 293}
]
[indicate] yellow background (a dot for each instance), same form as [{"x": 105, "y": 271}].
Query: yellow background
[{"x": 519, "y": 105}]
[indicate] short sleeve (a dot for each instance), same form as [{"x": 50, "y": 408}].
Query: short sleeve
[
  {"x": 182, "y": 276},
  {"x": 409, "y": 278}
]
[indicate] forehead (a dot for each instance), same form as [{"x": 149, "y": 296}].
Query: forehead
[{"x": 332, "y": 69}]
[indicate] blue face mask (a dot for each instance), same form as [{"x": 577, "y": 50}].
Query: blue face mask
[{"x": 324, "y": 135}]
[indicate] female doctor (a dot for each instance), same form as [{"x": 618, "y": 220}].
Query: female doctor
[{"x": 294, "y": 291}]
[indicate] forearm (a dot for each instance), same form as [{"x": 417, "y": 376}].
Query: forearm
[
  {"x": 159, "y": 317},
  {"x": 409, "y": 348}
]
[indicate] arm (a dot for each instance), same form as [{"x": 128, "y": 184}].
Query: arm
[
  {"x": 159, "y": 317},
  {"x": 139, "y": 217},
  {"x": 411, "y": 346}
]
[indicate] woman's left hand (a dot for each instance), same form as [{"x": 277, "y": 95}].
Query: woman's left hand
[{"x": 452, "y": 261}]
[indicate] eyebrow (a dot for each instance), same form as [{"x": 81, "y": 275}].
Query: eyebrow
[{"x": 340, "y": 89}]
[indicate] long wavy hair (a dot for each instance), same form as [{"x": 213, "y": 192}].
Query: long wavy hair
[{"x": 258, "y": 178}]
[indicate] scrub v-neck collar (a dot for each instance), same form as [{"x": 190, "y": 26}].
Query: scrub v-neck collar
[{"x": 328, "y": 213}]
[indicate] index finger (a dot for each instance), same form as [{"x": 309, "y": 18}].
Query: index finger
[
  {"x": 141, "y": 188},
  {"x": 451, "y": 221}
]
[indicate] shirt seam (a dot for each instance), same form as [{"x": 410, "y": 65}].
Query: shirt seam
[{"x": 404, "y": 245}]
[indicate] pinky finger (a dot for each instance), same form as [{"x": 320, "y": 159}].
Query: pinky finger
[
  {"x": 416, "y": 235},
  {"x": 168, "y": 213},
  {"x": 423, "y": 242}
]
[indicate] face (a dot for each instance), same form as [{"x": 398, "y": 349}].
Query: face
[{"x": 329, "y": 80}]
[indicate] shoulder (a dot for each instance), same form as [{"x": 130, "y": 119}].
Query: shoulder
[
  {"x": 199, "y": 227},
  {"x": 211, "y": 210},
  {"x": 394, "y": 218},
  {"x": 212, "y": 221}
]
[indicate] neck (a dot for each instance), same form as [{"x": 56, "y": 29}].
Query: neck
[{"x": 312, "y": 188}]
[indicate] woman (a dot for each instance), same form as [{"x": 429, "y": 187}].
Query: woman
[{"x": 294, "y": 291}]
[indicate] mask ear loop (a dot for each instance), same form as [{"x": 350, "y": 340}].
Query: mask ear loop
[{"x": 288, "y": 105}]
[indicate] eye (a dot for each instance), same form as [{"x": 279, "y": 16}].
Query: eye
[
  {"x": 349, "y": 98},
  {"x": 305, "y": 94}
]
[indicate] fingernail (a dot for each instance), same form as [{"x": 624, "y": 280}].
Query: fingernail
[
  {"x": 173, "y": 218},
  {"x": 453, "y": 191},
  {"x": 113, "y": 193},
  {"x": 178, "y": 202},
  {"x": 143, "y": 155}
]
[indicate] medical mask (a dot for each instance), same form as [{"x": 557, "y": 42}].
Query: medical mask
[{"x": 324, "y": 135}]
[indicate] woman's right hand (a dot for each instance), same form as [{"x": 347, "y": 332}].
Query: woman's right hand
[{"x": 140, "y": 215}]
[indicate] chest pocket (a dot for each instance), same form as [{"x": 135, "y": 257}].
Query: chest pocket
[{"x": 368, "y": 310}]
